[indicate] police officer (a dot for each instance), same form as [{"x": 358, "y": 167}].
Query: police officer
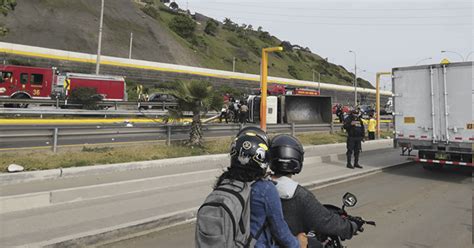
[{"x": 355, "y": 135}]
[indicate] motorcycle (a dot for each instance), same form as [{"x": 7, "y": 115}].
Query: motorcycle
[{"x": 332, "y": 241}]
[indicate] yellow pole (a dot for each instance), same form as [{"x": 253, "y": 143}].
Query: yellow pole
[
  {"x": 263, "y": 80},
  {"x": 377, "y": 99}
]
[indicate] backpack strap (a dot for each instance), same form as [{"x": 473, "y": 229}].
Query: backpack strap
[{"x": 242, "y": 203}]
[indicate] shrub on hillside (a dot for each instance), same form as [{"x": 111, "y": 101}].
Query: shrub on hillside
[
  {"x": 293, "y": 72},
  {"x": 211, "y": 27},
  {"x": 7, "y": 6},
  {"x": 23, "y": 62},
  {"x": 151, "y": 11},
  {"x": 183, "y": 25}
]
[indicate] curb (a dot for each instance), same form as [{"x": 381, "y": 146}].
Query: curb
[
  {"x": 101, "y": 235},
  {"x": 21, "y": 177},
  {"x": 133, "y": 229}
]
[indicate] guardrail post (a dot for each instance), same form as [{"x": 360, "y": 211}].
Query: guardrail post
[
  {"x": 293, "y": 129},
  {"x": 57, "y": 102},
  {"x": 55, "y": 140},
  {"x": 116, "y": 106},
  {"x": 168, "y": 135},
  {"x": 332, "y": 128}
]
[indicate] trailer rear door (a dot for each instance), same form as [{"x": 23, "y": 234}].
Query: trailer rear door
[{"x": 434, "y": 102}]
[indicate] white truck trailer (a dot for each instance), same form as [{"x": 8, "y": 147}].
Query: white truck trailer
[{"x": 434, "y": 112}]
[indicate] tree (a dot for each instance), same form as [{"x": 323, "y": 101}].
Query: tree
[
  {"x": 230, "y": 25},
  {"x": 174, "y": 5},
  {"x": 197, "y": 97},
  {"x": 286, "y": 46},
  {"x": 165, "y": 1},
  {"x": 211, "y": 27},
  {"x": 86, "y": 96},
  {"x": 183, "y": 25}
]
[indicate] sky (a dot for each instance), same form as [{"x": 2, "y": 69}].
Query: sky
[{"x": 383, "y": 33}]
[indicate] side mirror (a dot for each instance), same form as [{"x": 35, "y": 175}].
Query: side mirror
[{"x": 349, "y": 200}]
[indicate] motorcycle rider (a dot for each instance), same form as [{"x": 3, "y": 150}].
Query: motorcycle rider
[
  {"x": 355, "y": 135},
  {"x": 249, "y": 162},
  {"x": 302, "y": 211}
]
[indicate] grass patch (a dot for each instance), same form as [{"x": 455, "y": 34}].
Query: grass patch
[{"x": 41, "y": 160}]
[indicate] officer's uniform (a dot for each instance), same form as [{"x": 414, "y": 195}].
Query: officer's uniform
[{"x": 355, "y": 133}]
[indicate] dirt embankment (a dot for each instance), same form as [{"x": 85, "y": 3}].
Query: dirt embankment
[{"x": 73, "y": 25}]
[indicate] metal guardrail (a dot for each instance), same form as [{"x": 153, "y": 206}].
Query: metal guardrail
[
  {"x": 83, "y": 112},
  {"x": 169, "y": 132},
  {"x": 105, "y": 113},
  {"x": 58, "y": 103}
]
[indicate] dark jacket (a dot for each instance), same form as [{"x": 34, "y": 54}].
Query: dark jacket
[
  {"x": 354, "y": 131},
  {"x": 304, "y": 213}
]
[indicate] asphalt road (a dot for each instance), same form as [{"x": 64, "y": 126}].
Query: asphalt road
[{"x": 413, "y": 208}]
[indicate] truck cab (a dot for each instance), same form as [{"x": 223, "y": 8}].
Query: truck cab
[{"x": 24, "y": 82}]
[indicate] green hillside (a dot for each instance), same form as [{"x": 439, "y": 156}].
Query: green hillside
[
  {"x": 160, "y": 33},
  {"x": 218, "y": 43}
]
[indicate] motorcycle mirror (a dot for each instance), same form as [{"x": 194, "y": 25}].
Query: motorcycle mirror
[{"x": 349, "y": 200}]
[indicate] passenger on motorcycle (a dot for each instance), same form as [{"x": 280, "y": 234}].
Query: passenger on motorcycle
[
  {"x": 302, "y": 211},
  {"x": 249, "y": 162}
]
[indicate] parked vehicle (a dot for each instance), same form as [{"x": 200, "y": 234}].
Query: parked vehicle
[
  {"x": 161, "y": 98},
  {"x": 366, "y": 110},
  {"x": 25, "y": 82},
  {"x": 433, "y": 112}
]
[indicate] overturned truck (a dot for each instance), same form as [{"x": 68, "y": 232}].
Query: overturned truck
[{"x": 296, "y": 109}]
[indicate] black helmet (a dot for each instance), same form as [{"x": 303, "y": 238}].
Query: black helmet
[
  {"x": 287, "y": 154},
  {"x": 255, "y": 130},
  {"x": 250, "y": 151}
]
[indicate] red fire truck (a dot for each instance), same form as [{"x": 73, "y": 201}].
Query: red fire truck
[{"x": 24, "y": 82}]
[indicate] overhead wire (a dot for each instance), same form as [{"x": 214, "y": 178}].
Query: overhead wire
[{"x": 267, "y": 6}]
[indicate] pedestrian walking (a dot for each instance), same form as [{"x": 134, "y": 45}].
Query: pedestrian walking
[
  {"x": 355, "y": 135},
  {"x": 244, "y": 110},
  {"x": 339, "y": 113}
]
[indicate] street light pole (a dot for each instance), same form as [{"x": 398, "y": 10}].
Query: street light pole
[
  {"x": 377, "y": 99},
  {"x": 263, "y": 79},
  {"x": 319, "y": 83},
  {"x": 460, "y": 55},
  {"x": 421, "y": 60},
  {"x": 97, "y": 66},
  {"x": 355, "y": 77},
  {"x": 131, "y": 44},
  {"x": 233, "y": 64}
]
